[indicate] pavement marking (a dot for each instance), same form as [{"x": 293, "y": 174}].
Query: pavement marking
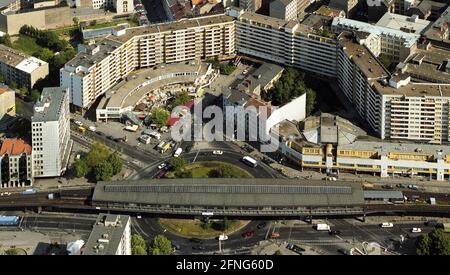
[{"x": 198, "y": 151}]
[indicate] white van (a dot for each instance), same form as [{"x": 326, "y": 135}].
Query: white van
[
  {"x": 177, "y": 153},
  {"x": 387, "y": 225}
]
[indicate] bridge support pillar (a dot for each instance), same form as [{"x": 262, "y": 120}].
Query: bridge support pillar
[{"x": 39, "y": 209}]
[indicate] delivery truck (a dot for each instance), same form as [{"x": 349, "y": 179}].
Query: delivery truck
[{"x": 322, "y": 227}]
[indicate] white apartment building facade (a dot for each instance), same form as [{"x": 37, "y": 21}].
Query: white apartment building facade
[
  {"x": 50, "y": 128},
  {"x": 393, "y": 106},
  {"x": 97, "y": 68},
  {"x": 284, "y": 42}
]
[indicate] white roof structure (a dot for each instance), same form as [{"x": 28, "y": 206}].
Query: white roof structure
[
  {"x": 74, "y": 248},
  {"x": 30, "y": 64},
  {"x": 349, "y": 24},
  {"x": 403, "y": 23}
]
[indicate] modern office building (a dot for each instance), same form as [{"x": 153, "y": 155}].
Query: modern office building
[
  {"x": 111, "y": 235},
  {"x": 100, "y": 66},
  {"x": 15, "y": 164},
  {"x": 50, "y": 128},
  {"x": 20, "y": 68},
  {"x": 7, "y": 102}
]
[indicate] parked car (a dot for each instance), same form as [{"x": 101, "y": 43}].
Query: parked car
[
  {"x": 168, "y": 167},
  {"x": 387, "y": 186},
  {"x": 248, "y": 234},
  {"x": 160, "y": 174},
  {"x": 198, "y": 247},
  {"x": 431, "y": 223},
  {"x": 261, "y": 225},
  {"x": 416, "y": 230},
  {"x": 275, "y": 235},
  {"x": 335, "y": 232},
  {"x": 195, "y": 240},
  {"x": 217, "y": 152},
  {"x": 162, "y": 165},
  {"x": 295, "y": 248},
  {"x": 175, "y": 245},
  {"x": 387, "y": 225}
]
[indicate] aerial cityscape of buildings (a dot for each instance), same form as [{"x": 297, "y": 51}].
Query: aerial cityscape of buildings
[{"x": 357, "y": 96}]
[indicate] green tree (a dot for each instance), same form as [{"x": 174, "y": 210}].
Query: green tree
[
  {"x": 6, "y": 40},
  {"x": 45, "y": 54},
  {"x": 138, "y": 245},
  {"x": 23, "y": 91},
  {"x": 385, "y": 59},
  {"x": 226, "y": 172},
  {"x": 13, "y": 85},
  {"x": 440, "y": 242},
  {"x": 181, "y": 98},
  {"x": 98, "y": 153},
  {"x": 159, "y": 116},
  {"x": 35, "y": 94},
  {"x": 81, "y": 168},
  {"x": 12, "y": 251},
  {"x": 116, "y": 163},
  {"x": 278, "y": 252},
  {"x": 160, "y": 246},
  {"x": 437, "y": 242},
  {"x": 310, "y": 101},
  {"x": 178, "y": 163},
  {"x": 76, "y": 21},
  {"x": 103, "y": 171},
  {"x": 226, "y": 223},
  {"x": 423, "y": 245}
]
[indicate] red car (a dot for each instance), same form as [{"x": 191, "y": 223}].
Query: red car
[
  {"x": 160, "y": 174},
  {"x": 248, "y": 234}
]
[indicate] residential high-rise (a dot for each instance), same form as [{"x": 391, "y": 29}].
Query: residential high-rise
[
  {"x": 111, "y": 235},
  {"x": 285, "y": 42},
  {"x": 50, "y": 128},
  {"x": 98, "y": 67}
]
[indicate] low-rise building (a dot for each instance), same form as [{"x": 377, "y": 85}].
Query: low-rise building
[
  {"x": 20, "y": 68},
  {"x": 439, "y": 33},
  {"x": 15, "y": 164},
  {"x": 408, "y": 24},
  {"x": 7, "y": 102},
  {"x": 111, "y": 235}
]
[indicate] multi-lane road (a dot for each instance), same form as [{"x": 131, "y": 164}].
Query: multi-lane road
[{"x": 351, "y": 232}]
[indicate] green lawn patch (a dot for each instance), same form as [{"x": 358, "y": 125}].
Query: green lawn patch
[
  {"x": 27, "y": 45},
  {"x": 110, "y": 24},
  {"x": 203, "y": 169},
  {"x": 195, "y": 229}
]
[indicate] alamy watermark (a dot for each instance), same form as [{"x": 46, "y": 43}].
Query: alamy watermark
[{"x": 242, "y": 124}]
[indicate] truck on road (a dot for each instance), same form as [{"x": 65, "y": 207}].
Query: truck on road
[
  {"x": 322, "y": 227},
  {"x": 177, "y": 153},
  {"x": 29, "y": 191}
]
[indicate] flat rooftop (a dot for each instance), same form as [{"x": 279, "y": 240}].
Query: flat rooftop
[
  {"x": 87, "y": 59},
  {"x": 106, "y": 234},
  {"x": 126, "y": 93},
  {"x": 373, "y": 70},
  {"x": 434, "y": 32},
  {"x": 403, "y": 23},
  {"x": 182, "y": 24},
  {"x": 396, "y": 147},
  {"x": 231, "y": 192},
  {"x": 49, "y": 106},
  {"x": 11, "y": 56}
]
